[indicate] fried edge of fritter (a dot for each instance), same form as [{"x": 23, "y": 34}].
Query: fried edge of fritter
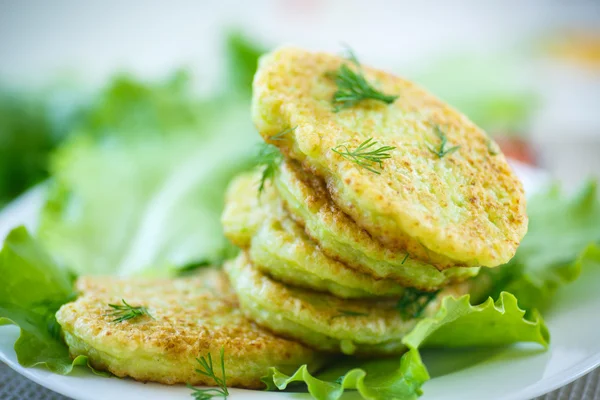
[
  {"x": 283, "y": 251},
  {"x": 308, "y": 202},
  {"x": 321, "y": 321},
  {"x": 291, "y": 89},
  {"x": 166, "y": 353},
  {"x": 281, "y": 248}
]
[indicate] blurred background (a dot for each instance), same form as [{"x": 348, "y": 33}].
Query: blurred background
[
  {"x": 526, "y": 71},
  {"x": 126, "y": 106}
]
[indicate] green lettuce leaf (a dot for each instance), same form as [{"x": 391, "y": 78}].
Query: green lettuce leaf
[
  {"x": 145, "y": 204},
  {"x": 456, "y": 324},
  {"x": 374, "y": 379},
  {"x": 32, "y": 125},
  {"x": 27, "y": 135},
  {"x": 130, "y": 108},
  {"x": 33, "y": 288},
  {"x": 138, "y": 187},
  {"x": 242, "y": 61},
  {"x": 460, "y": 324},
  {"x": 564, "y": 234}
]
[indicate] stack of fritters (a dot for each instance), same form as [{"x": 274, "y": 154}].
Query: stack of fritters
[
  {"x": 338, "y": 243},
  {"x": 372, "y": 215}
]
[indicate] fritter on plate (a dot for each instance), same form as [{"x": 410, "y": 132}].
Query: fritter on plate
[{"x": 185, "y": 318}]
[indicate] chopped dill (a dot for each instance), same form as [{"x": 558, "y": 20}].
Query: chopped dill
[
  {"x": 405, "y": 258},
  {"x": 413, "y": 303},
  {"x": 126, "y": 312},
  {"x": 280, "y": 135},
  {"x": 441, "y": 151},
  {"x": 353, "y": 87},
  {"x": 365, "y": 155},
  {"x": 207, "y": 369},
  {"x": 269, "y": 157}
]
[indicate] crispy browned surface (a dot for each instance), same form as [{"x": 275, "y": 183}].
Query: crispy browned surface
[
  {"x": 325, "y": 322},
  {"x": 191, "y": 317},
  {"x": 339, "y": 237},
  {"x": 467, "y": 206},
  {"x": 279, "y": 247}
]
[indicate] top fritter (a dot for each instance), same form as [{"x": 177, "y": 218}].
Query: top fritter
[{"x": 410, "y": 170}]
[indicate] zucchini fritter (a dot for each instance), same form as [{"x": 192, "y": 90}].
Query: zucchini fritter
[
  {"x": 442, "y": 190},
  {"x": 308, "y": 202},
  {"x": 322, "y": 321},
  {"x": 188, "y": 318},
  {"x": 281, "y": 248}
]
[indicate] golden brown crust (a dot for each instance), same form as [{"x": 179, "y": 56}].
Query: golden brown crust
[
  {"x": 281, "y": 248},
  {"x": 328, "y": 323},
  {"x": 191, "y": 317},
  {"x": 340, "y": 238},
  {"x": 467, "y": 206}
]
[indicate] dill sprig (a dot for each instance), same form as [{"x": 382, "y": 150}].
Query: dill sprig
[
  {"x": 365, "y": 155},
  {"x": 269, "y": 157},
  {"x": 413, "y": 303},
  {"x": 126, "y": 311},
  {"x": 405, "y": 258},
  {"x": 353, "y": 87},
  {"x": 351, "y": 56},
  {"x": 207, "y": 369},
  {"x": 441, "y": 151},
  {"x": 280, "y": 135}
]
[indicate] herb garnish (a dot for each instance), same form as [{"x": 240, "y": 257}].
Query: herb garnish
[
  {"x": 442, "y": 150},
  {"x": 353, "y": 87},
  {"x": 364, "y": 155},
  {"x": 269, "y": 157},
  {"x": 207, "y": 369},
  {"x": 405, "y": 258},
  {"x": 281, "y": 134},
  {"x": 351, "y": 56},
  {"x": 126, "y": 312},
  {"x": 413, "y": 303}
]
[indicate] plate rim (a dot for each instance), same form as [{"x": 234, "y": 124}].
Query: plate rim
[
  {"x": 549, "y": 384},
  {"x": 558, "y": 379}
]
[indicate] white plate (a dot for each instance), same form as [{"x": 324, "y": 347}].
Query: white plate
[{"x": 520, "y": 372}]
